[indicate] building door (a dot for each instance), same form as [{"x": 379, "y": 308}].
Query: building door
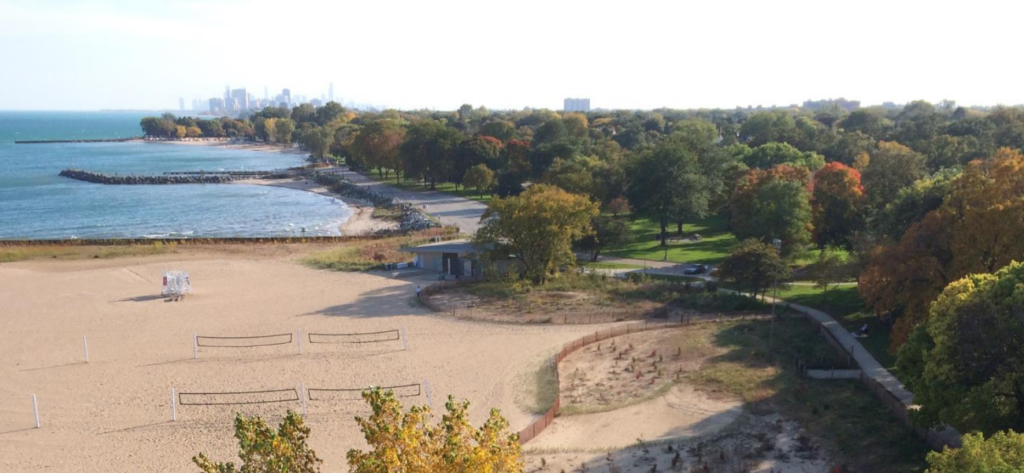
[{"x": 450, "y": 264}]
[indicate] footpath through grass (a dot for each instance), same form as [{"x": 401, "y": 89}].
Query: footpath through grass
[
  {"x": 845, "y": 305},
  {"x": 842, "y": 412},
  {"x": 417, "y": 186},
  {"x": 716, "y": 242}
]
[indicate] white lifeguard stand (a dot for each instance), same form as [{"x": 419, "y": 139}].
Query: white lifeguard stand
[{"x": 176, "y": 285}]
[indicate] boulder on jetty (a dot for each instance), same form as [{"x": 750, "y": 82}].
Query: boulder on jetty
[{"x": 99, "y": 178}]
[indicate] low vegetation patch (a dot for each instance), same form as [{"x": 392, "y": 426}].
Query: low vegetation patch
[
  {"x": 9, "y": 254},
  {"x": 364, "y": 255}
]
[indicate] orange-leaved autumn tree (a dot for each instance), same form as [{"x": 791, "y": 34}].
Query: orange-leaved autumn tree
[
  {"x": 773, "y": 203},
  {"x": 836, "y": 202},
  {"x": 409, "y": 442},
  {"x": 977, "y": 230}
]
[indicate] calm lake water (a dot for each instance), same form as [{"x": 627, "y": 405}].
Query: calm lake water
[{"x": 36, "y": 203}]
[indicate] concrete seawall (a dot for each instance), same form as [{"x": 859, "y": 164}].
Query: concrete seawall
[{"x": 99, "y": 178}]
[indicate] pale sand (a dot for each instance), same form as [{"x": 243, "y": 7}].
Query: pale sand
[
  {"x": 682, "y": 412},
  {"x": 360, "y": 223},
  {"x": 113, "y": 414},
  {"x": 239, "y": 145}
]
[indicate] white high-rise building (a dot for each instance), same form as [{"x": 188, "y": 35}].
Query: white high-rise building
[
  {"x": 576, "y": 105},
  {"x": 330, "y": 92}
]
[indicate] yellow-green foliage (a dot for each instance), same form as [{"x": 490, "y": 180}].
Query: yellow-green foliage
[
  {"x": 362, "y": 255},
  {"x": 410, "y": 443},
  {"x": 1001, "y": 453},
  {"x": 261, "y": 449}
]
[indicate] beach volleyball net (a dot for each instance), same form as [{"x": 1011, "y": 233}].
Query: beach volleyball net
[
  {"x": 361, "y": 337},
  {"x": 238, "y": 397},
  {"x": 356, "y": 394},
  {"x": 203, "y": 341}
]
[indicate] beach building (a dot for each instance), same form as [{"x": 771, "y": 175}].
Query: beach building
[{"x": 456, "y": 258}]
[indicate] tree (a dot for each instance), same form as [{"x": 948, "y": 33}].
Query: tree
[
  {"x": 408, "y": 442},
  {"x": 765, "y": 127},
  {"x": 753, "y": 266},
  {"x": 264, "y": 450},
  {"x": 429, "y": 150},
  {"x": 892, "y": 168},
  {"x": 773, "y": 154},
  {"x": 479, "y": 177},
  {"x": 963, "y": 364},
  {"x": 180, "y": 132},
  {"x": 329, "y": 112},
  {"x": 773, "y": 204},
  {"x": 668, "y": 181},
  {"x": 1003, "y": 452},
  {"x": 538, "y": 226},
  {"x": 608, "y": 232},
  {"x": 829, "y": 269},
  {"x": 284, "y": 128},
  {"x": 500, "y": 129},
  {"x": 193, "y": 132},
  {"x": 377, "y": 145},
  {"x": 976, "y": 230},
  {"x": 836, "y": 205},
  {"x": 619, "y": 205}
]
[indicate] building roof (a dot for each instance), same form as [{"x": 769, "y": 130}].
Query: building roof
[{"x": 453, "y": 246}]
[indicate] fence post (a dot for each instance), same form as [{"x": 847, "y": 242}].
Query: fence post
[
  {"x": 35, "y": 409},
  {"x": 174, "y": 407},
  {"x": 195, "y": 346},
  {"x": 85, "y": 345}
]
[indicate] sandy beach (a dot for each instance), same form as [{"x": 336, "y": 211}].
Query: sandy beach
[
  {"x": 114, "y": 413},
  {"x": 360, "y": 223}
]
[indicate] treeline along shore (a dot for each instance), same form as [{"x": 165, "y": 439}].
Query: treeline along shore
[{"x": 100, "y": 140}]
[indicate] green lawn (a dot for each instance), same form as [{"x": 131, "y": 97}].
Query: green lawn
[
  {"x": 712, "y": 249},
  {"x": 446, "y": 187},
  {"x": 845, "y": 305}
]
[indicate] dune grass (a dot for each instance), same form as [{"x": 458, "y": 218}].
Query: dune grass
[
  {"x": 10, "y": 254},
  {"x": 365, "y": 255}
]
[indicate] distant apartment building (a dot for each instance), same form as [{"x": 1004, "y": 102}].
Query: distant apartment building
[
  {"x": 216, "y": 105},
  {"x": 576, "y": 105},
  {"x": 330, "y": 92}
]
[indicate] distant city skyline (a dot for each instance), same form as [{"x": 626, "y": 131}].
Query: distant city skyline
[{"x": 96, "y": 54}]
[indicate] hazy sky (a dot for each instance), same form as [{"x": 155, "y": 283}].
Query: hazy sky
[{"x": 87, "y": 55}]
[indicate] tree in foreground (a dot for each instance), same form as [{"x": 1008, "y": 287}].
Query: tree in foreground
[
  {"x": 261, "y": 449},
  {"x": 1003, "y": 452},
  {"x": 538, "y": 226},
  {"x": 773, "y": 204},
  {"x": 408, "y": 442},
  {"x": 964, "y": 363},
  {"x": 753, "y": 266}
]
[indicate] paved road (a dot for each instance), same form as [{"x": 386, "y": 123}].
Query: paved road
[{"x": 450, "y": 209}]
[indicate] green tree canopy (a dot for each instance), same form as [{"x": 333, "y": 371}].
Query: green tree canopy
[
  {"x": 753, "y": 266},
  {"x": 964, "y": 363},
  {"x": 262, "y": 449},
  {"x": 539, "y": 227},
  {"x": 1003, "y": 452}
]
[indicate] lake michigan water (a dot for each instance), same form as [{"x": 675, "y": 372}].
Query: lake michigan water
[{"x": 36, "y": 203}]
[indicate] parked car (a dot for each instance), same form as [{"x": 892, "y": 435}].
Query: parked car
[{"x": 697, "y": 269}]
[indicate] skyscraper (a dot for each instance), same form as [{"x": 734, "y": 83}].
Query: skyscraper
[
  {"x": 266, "y": 96},
  {"x": 287, "y": 93},
  {"x": 181, "y": 104},
  {"x": 240, "y": 98},
  {"x": 330, "y": 92}
]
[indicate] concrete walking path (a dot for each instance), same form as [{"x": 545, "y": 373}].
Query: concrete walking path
[{"x": 450, "y": 209}]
